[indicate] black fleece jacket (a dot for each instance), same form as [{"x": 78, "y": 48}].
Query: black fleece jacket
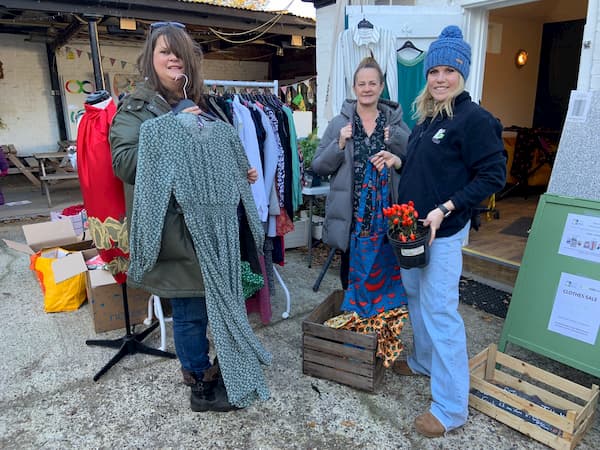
[{"x": 460, "y": 159}]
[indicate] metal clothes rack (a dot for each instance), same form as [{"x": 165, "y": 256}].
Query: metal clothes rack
[
  {"x": 272, "y": 84},
  {"x": 275, "y": 86}
]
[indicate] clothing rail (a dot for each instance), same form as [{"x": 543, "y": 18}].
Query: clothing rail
[
  {"x": 268, "y": 84},
  {"x": 272, "y": 84}
]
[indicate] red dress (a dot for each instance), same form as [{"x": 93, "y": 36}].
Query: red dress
[{"x": 102, "y": 191}]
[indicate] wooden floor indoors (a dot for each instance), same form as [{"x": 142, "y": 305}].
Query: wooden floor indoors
[{"x": 493, "y": 256}]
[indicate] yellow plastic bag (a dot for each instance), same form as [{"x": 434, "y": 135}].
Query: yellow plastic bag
[{"x": 67, "y": 295}]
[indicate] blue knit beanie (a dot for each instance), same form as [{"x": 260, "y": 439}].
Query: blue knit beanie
[{"x": 450, "y": 49}]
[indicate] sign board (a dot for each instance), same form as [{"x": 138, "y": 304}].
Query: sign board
[{"x": 555, "y": 306}]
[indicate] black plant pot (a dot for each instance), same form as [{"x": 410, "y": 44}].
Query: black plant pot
[{"x": 412, "y": 254}]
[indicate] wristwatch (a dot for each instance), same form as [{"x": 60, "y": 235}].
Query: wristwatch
[{"x": 445, "y": 210}]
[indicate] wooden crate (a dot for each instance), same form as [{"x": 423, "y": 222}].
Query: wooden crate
[
  {"x": 569, "y": 410},
  {"x": 339, "y": 355}
]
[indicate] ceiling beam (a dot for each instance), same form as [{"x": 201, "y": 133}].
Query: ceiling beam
[{"x": 190, "y": 13}]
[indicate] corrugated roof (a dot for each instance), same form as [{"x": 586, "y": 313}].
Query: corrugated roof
[{"x": 251, "y": 5}]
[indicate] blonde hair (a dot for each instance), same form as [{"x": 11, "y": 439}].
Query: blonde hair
[
  {"x": 369, "y": 63},
  {"x": 425, "y": 106}
]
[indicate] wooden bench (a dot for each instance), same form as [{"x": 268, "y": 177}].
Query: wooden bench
[{"x": 60, "y": 162}]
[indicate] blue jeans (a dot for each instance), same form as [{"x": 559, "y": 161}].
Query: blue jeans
[
  {"x": 440, "y": 345},
  {"x": 189, "y": 332}
]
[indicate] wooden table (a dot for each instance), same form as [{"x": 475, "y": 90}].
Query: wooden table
[{"x": 63, "y": 170}]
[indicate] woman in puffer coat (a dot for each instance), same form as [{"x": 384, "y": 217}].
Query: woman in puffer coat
[{"x": 363, "y": 128}]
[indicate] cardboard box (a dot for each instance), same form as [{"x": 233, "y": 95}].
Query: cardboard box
[
  {"x": 106, "y": 302},
  {"x": 77, "y": 220},
  {"x": 298, "y": 237},
  {"x": 60, "y": 233}
]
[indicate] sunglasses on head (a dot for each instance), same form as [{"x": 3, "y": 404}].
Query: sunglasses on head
[{"x": 157, "y": 25}]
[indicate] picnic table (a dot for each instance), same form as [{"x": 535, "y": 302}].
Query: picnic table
[{"x": 54, "y": 166}]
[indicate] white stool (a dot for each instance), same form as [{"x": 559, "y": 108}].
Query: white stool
[{"x": 155, "y": 309}]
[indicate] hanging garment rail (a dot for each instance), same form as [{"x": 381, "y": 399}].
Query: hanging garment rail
[
  {"x": 260, "y": 84},
  {"x": 269, "y": 84}
]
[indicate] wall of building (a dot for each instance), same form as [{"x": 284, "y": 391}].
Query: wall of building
[
  {"x": 592, "y": 33},
  {"x": 327, "y": 29},
  {"x": 26, "y": 104},
  {"x": 509, "y": 92}
]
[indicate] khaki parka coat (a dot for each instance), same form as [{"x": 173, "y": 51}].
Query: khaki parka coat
[{"x": 176, "y": 272}]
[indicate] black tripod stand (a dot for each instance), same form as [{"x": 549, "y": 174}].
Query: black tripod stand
[{"x": 130, "y": 344}]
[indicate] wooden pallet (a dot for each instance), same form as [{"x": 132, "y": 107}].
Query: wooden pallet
[
  {"x": 491, "y": 370},
  {"x": 343, "y": 356}
]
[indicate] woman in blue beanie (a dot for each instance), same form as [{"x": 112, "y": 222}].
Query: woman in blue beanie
[{"x": 455, "y": 159}]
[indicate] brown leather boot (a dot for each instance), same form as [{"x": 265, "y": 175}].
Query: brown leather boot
[
  {"x": 211, "y": 374},
  {"x": 428, "y": 425},
  {"x": 188, "y": 377},
  {"x": 401, "y": 367}
]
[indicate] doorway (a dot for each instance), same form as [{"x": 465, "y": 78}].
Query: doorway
[
  {"x": 521, "y": 98},
  {"x": 557, "y": 75}
]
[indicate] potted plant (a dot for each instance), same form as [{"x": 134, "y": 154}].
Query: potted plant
[
  {"x": 308, "y": 147},
  {"x": 407, "y": 235}
]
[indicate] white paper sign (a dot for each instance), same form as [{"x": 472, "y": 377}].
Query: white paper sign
[
  {"x": 581, "y": 237},
  {"x": 579, "y": 106},
  {"x": 576, "y": 309}
]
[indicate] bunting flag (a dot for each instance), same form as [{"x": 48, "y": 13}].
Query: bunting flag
[{"x": 72, "y": 53}]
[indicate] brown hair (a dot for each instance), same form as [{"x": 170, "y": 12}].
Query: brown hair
[
  {"x": 181, "y": 44},
  {"x": 369, "y": 63}
]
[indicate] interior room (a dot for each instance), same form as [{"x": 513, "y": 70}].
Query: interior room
[{"x": 532, "y": 64}]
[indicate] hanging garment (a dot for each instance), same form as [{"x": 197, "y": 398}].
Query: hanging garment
[
  {"x": 353, "y": 46},
  {"x": 272, "y": 152},
  {"x": 296, "y": 184},
  {"x": 176, "y": 158},
  {"x": 374, "y": 280},
  {"x": 242, "y": 121},
  {"x": 411, "y": 81},
  {"x": 102, "y": 191}
]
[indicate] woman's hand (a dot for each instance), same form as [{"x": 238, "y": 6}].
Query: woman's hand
[
  {"x": 434, "y": 221},
  {"x": 193, "y": 110},
  {"x": 345, "y": 134},
  {"x": 252, "y": 175},
  {"x": 385, "y": 158}
]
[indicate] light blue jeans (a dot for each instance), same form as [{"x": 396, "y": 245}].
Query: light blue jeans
[{"x": 440, "y": 345}]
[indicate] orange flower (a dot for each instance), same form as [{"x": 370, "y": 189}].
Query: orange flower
[{"x": 402, "y": 221}]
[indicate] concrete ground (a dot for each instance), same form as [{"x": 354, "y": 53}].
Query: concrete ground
[{"x": 48, "y": 399}]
